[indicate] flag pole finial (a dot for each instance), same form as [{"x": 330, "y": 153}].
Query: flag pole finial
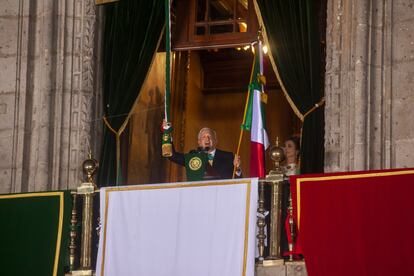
[{"x": 260, "y": 34}]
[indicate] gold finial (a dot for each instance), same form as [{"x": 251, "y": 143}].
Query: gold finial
[
  {"x": 89, "y": 167},
  {"x": 260, "y": 34},
  {"x": 277, "y": 155}
]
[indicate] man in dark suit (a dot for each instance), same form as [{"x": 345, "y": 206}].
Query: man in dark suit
[{"x": 220, "y": 163}]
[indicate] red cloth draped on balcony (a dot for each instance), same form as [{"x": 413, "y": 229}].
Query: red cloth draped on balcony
[{"x": 358, "y": 223}]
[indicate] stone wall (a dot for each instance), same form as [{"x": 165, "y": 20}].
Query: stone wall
[
  {"x": 49, "y": 93},
  {"x": 369, "y": 85}
]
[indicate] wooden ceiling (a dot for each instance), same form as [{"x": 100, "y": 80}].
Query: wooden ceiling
[{"x": 228, "y": 71}]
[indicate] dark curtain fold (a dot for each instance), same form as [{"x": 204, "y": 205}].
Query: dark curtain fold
[
  {"x": 292, "y": 32},
  {"x": 131, "y": 33}
]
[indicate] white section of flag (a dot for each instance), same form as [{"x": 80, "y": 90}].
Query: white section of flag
[
  {"x": 258, "y": 133},
  {"x": 182, "y": 229}
]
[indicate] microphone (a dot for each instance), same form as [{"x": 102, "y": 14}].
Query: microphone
[{"x": 201, "y": 149}]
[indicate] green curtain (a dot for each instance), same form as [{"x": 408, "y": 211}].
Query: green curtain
[
  {"x": 293, "y": 37},
  {"x": 34, "y": 233},
  {"x": 132, "y": 31}
]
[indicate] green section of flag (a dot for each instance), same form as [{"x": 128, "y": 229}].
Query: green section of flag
[
  {"x": 254, "y": 85},
  {"x": 195, "y": 166},
  {"x": 34, "y": 233}
]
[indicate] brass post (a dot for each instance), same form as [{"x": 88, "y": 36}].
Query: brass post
[
  {"x": 87, "y": 191},
  {"x": 73, "y": 233},
  {"x": 275, "y": 179},
  {"x": 261, "y": 223},
  {"x": 275, "y": 219},
  {"x": 86, "y": 241}
]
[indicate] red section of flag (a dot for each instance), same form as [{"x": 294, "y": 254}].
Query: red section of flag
[{"x": 257, "y": 160}]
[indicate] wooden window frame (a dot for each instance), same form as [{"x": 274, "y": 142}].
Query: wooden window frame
[{"x": 184, "y": 37}]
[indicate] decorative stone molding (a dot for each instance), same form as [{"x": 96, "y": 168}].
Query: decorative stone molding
[
  {"x": 49, "y": 92},
  {"x": 333, "y": 86},
  {"x": 370, "y": 58}
]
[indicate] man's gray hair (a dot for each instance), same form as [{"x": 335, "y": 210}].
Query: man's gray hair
[{"x": 212, "y": 131}]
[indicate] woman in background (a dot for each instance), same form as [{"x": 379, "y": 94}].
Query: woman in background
[{"x": 291, "y": 150}]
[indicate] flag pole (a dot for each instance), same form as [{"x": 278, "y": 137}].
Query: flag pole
[
  {"x": 166, "y": 140},
  {"x": 244, "y": 116},
  {"x": 167, "y": 61}
]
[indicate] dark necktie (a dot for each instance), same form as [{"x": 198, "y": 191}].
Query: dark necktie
[{"x": 210, "y": 159}]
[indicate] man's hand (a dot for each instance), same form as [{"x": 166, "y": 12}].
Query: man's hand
[
  {"x": 165, "y": 125},
  {"x": 237, "y": 161}
]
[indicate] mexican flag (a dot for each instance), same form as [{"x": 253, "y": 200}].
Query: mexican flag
[{"x": 254, "y": 119}]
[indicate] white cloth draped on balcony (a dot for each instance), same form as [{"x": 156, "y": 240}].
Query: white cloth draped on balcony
[{"x": 180, "y": 229}]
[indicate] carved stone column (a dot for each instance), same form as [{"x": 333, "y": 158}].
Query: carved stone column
[
  {"x": 50, "y": 92},
  {"x": 368, "y": 87}
]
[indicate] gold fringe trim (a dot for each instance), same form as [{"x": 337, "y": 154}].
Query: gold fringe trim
[
  {"x": 100, "y": 2},
  {"x": 108, "y": 125},
  {"x": 118, "y": 145},
  {"x": 316, "y": 106}
]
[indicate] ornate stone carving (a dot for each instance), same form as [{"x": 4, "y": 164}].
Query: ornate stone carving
[
  {"x": 369, "y": 50},
  {"x": 55, "y": 92},
  {"x": 86, "y": 110},
  {"x": 333, "y": 86}
]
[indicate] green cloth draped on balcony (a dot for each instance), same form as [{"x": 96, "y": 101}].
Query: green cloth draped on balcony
[{"x": 34, "y": 233}]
